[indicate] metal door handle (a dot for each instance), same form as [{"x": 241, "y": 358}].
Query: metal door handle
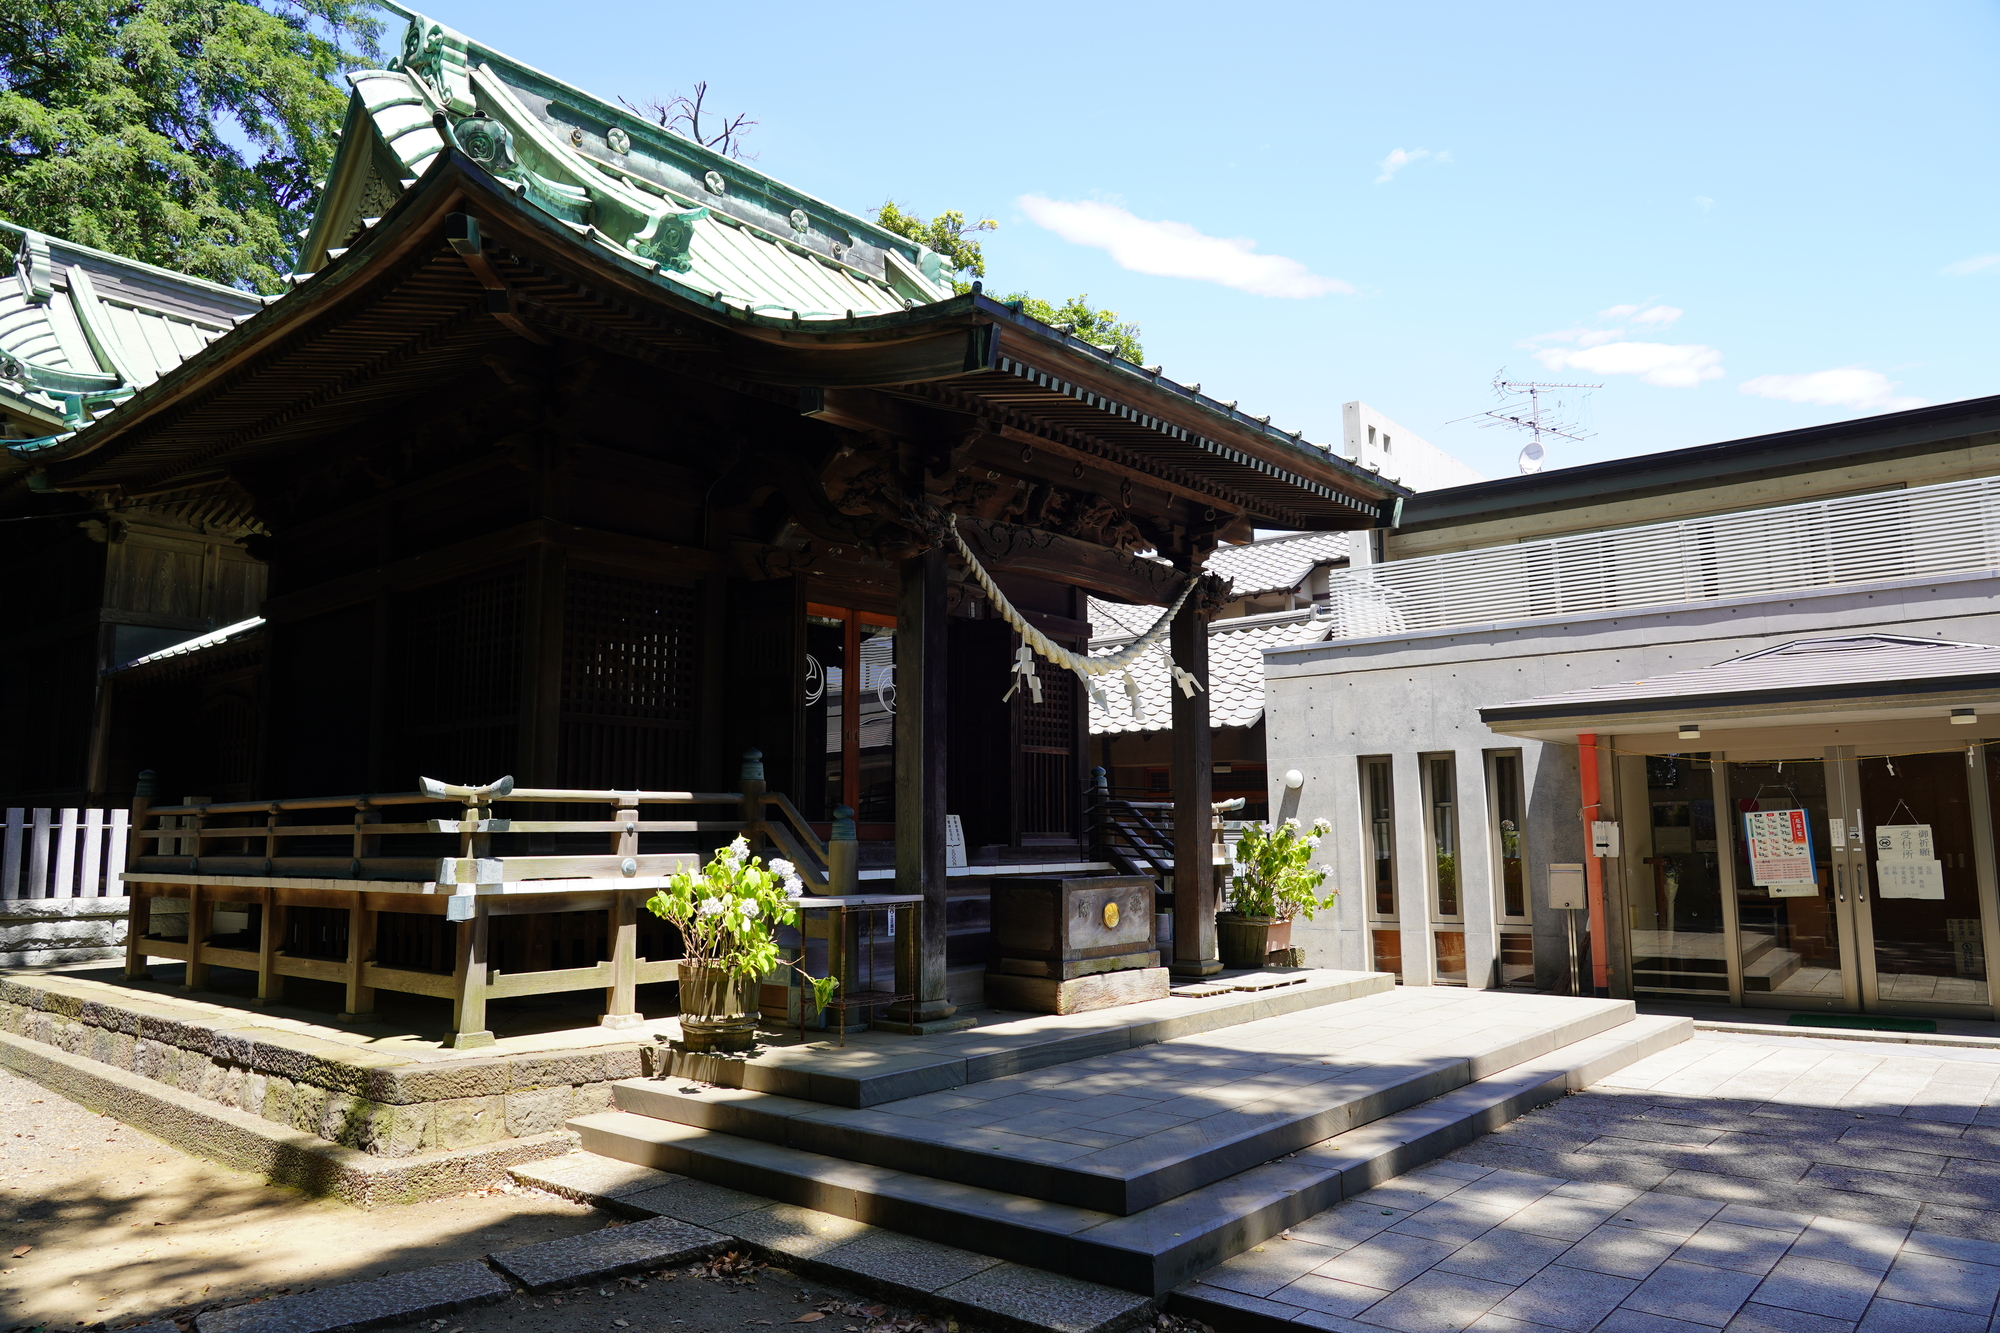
[{"x": 1839, "y": 884}]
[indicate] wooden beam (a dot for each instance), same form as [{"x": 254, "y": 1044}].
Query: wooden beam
[
  {"x": 1050, "y": 555},
  {"x": 920, "y": 787},
  {"x": 468, "y": 981},
  {"x": 1194, "y": 795}
]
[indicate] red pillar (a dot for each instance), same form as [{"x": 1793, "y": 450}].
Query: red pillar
[{"x": 1593, "y": 865}]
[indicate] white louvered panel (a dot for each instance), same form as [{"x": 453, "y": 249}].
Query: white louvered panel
[{"x": 1951, "y": 528}]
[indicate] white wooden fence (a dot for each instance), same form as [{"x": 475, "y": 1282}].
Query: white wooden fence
[{"x": 63, "y": 853}]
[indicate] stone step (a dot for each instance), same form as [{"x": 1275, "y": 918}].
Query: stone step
[
  {"x": 1158, "y": 1248},
  {"x": 1120, "y": 1133},
  {"x": 876, "y": 1067}
]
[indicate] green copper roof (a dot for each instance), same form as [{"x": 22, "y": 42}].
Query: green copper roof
[
  {"x": 699, "y": 219},
  {"x": 81, "y": 329}
]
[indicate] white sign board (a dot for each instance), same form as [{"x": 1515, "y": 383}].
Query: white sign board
[
  {"x": 1780, "y": 846},
  {"x": 954, "y": 842},
  {"x": 1910, "y": 879},
  {"x": 1904, "y": 842}
]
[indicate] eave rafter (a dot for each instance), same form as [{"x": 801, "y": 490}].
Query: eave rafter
[{"x": 1016, "y": 424}]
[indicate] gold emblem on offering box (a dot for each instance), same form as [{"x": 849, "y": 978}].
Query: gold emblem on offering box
[{"x": 1111, "y": 916}]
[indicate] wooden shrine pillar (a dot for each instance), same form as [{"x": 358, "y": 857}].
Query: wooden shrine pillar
[
  {"x": 920, "y": 787},
  {"x": 1194, "y": 798}
]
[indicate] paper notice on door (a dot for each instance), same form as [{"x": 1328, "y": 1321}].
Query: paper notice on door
[
  {"x": 1909, "y": 879},
  {"x": 1836, "y": 833},
  {"x": 1780, "y": 846},
  {"x": 1904, "y": 842},
  {"x": 1802, "y": 888}
]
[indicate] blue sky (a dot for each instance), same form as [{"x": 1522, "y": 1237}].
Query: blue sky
[{"x": 1738, "y": 218}]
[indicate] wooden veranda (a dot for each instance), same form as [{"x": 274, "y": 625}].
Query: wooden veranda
[{"x": 537, "y": 500}]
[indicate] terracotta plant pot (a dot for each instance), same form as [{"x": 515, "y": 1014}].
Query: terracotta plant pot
[
  {"x": 716, "y": 1009},
  {"x": 1247, "y": 941}
]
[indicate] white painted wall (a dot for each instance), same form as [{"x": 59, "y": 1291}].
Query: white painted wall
[{"x": 1372, "y": 439}]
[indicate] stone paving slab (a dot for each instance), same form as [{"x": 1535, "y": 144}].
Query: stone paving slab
[
  {"x": 877, "y": 1067},
  {"x": 1146, "y": 1252},
  {"x": 1579, "y": 1216},
  {"x": 659, "y": 1242},
  {"x": 424, "y": 1293},
  {"x": 1123, "y": 1131}
]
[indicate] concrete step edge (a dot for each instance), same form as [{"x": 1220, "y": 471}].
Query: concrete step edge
[
  {"x": 1186, "y": 1018},
  {"x": 1242, "y": 1210},
  {"x": 845, "y": 1133}
]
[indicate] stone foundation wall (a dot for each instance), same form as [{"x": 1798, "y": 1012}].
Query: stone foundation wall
[
  {"x": 41, "y": 932},
  {"x": 381, "y": 1103}
]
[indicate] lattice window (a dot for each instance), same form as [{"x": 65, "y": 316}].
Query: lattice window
[
  {"x": 631, "y": 660},
  {"x": 1049, "y": 793},
  {"x": 456, "y": 658}
]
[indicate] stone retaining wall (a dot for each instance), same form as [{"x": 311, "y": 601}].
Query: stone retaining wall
[
  {"x": 381, "y": 1103},
  {"x": 41, "y": 932}
]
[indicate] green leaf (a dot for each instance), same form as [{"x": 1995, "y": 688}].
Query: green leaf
[{"x": 185, "y": 133}]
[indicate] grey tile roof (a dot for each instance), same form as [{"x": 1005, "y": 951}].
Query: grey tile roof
[
  {"x": 1276, "y": 564},
  {"x": 1235, "y": 671},
  {"x": 1804, "y": 669}
]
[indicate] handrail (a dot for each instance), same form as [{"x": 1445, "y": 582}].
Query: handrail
[
  {"x": 181, "y": 834},
  {"x": 807, "y": 838},
  {"x": 363, "y": 802}
]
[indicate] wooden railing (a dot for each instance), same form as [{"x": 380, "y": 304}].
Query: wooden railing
[
  {"x": 236, "y": 852},
  {"x": 1138, "y": 836}
]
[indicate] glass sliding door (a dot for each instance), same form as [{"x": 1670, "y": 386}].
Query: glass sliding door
[
  {"x": 1680, "y": 948},
  {"x": 1790, "y": 913},
  {"x": 1922, "y": 879}
]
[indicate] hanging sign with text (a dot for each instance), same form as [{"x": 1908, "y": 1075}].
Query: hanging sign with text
[
  {"x": 1780, "y": 846},
  {"x": 1906, "y": 864}
]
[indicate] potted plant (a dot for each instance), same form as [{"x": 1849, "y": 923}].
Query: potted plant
[
  {"x": 728, "y": 914},
  {"x": 1273, "y": 881}
]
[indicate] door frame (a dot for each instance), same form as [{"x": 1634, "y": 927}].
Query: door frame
[{"x": 1852, "y": 888}]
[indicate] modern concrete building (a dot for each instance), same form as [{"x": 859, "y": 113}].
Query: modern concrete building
[
  {"x": 1381, "y": 445},
  {"x": 1668, "y": 647}
]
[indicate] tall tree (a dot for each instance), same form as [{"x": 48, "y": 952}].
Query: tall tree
[
  {"x": 953, "y": 237},
  {"x": 187, "y": 133}
]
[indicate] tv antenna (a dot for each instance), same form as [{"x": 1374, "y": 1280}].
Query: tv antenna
[{"x": 1528, "y": 414}]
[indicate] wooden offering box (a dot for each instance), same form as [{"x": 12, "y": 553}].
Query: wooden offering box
[{"x": 1064, "y": 946}]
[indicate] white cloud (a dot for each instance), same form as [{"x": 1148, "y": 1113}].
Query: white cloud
[
  {"x": 1402, "y": 157},
  {"x": 1668, "y": 365},
  {"x": 1176, "y": 250},
  {"x": 1965, "y": 268},
  {"x": 1703, "y": 202},
  {"x": 1662, "y": 315},
  {"x": 1598, "y": 337},
  {"x": 1618, "y": 312},
  {"x": 1846, "y": 386}
]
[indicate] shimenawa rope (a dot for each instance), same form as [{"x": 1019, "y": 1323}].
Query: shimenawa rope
[{"x": 1086, "y": 668}]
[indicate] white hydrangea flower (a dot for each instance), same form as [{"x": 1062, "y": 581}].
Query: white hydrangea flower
[
  {"x": 713, "y": 907},
  {"x": 737, "y": 849},
  {"x": 747, "y": 908},
  {"x": 794, "y": 886},
  {"x": 783, "y": 868}
]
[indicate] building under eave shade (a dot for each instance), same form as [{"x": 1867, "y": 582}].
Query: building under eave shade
[{"x": 586, "y": 456}]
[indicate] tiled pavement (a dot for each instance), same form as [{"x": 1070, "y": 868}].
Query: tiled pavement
[
  {"x": 1130, "y": 1109},
  {"x": 1791, "y": 1186}
]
